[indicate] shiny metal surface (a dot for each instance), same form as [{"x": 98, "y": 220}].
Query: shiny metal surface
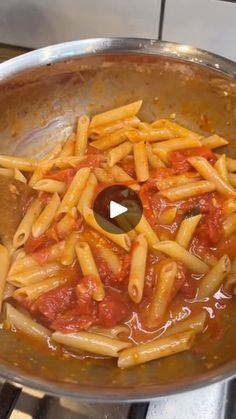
[{"x": 41, "y": 94}]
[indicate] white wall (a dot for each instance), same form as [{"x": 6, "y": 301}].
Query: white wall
[
  {"x": 209, "y": 24},
  {"x": 36, "y": 23}
]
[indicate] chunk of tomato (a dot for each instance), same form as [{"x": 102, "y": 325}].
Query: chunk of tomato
[{"x": 111, "y": 311}]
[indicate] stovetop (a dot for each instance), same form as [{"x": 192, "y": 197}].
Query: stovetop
[{"x": 217, "y": 401}]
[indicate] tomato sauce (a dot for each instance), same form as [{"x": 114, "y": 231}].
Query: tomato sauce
[{"x": 71, "y": 307}]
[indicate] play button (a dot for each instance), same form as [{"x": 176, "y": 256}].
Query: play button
[{"x": 117, "y": 209}]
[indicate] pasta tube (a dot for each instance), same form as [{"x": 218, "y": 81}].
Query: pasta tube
[
  {"x": 91, "y": 342},
  {"x": 195, "y": 323},
  {"x": 141, "y": 161},
  {"x": 82, "y": 135},
  {"x": 68, "y": 148},
  {"x": 50, "y": 185},
  {"x": 24, "y": 229},
  {"x": 187, "y": 190},
  {"x": 212, "y": 281},
  {"x": 221, "y": 168},
  {"x": 138, "y": 269},
  {"x": 73, "y": 193},
  {"x": 210, "y": 174},
  {"x": 30, "y": 292},
  {"x": 87, "y": 196},
  {"x": 43, "y": 222},
  {"x": 111, "y": 259},
  {"x": 33, "y": 275},
  {"x": 26, "y": 325},
  {"x": 151, "y": 135},
  {"x": 101, "y": 131},
  {"x": 113, "y": 115},
  {"x": 88, "y": 267},
  {"x": 214, "y": 141},
  {"x": 158, "y": 348},
  {"x": 4, "y": 267},
  {"x": 144, "y": 227},
  {"x": 186, "y": 230},
  {"x": 118, "y": 153},
  {"x": 19, "y": 163},
  {"x": 69, "y": 255},
  {"x": 180, "y": 254},
  {"x": 121, "y": 239},
  {"x": 162, "y": 293}
]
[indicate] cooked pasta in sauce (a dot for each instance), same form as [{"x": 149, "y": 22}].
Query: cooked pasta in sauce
[{"x": 135, "y": 296}]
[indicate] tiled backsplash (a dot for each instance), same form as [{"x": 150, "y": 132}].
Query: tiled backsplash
[{"x": 209, "y": 24}]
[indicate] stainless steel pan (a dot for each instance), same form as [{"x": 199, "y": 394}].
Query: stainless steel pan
[{"x": 41, "y": 93}]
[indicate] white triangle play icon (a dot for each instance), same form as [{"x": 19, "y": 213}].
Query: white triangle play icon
[{"x": 116, "y": 209}]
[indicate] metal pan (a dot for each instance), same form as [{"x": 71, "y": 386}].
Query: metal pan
[{"x": 41, "y": 93}]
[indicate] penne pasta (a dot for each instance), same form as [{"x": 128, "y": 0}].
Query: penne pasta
[
  {"x": 68, "y": 148},
  {"x": 232, "y": 179},
  {"x": 82, "y": 135},
  {"x": 113, "y": 115},
  {"x": 214, "y": 141},
  {"x": 26, "y": 325},
  {"x": 176, "y": 180},
  {"x": 121, "y": 239},
  {"x": 45, "y": 219},
  {"x": 143, "y": 227},
  {"x": 229, "y": 205},
  {"x": 180, "y": 254},
  {"x": 118, "y": 153},
  {"x": 19, "y": 176},
  {"x": 113, "y": 332},
  {"x": 111, "y": 140},
  {"x": 88, "y": 267},
  {"x": 177, "y": 144},
  {"x": 24, "y": 229},
  {"x": 103, "y": 130},
  {"x": 196, "y": 323},
  {"x": 111, "y": 259},
  {"x": 87, "y": 196},
  {"x": 91, "y": 342},
  {"x": 221, "y": 168},
  {"x": 73, "y": 193},
  {"x": 6, "y": 172},
  {"x": 103, "y": 175},
  {"x": 179, "y": 130},
  {"x": 187, "y": 190},
  {"x": 67, "y": 223},
  {"x": 212, "y": 281},
  {"x": 138, "y": 269},
  {"x": 8, "y": 291},
  {"x": 33, "y": 291},
  {"x": 186, "y": 230},
  {"x": 167, "y": 216},
  {"x": 4, "y": 267},
  {"x": 68, "y": 256},
  {"x": 141, "y": 162},
  {"x": 229, "y": 224},
  {"x": 120, "y": 176},
  {"x": 50, "y": 185},
  {"x": 153, "y": 160},
  {"x": 33, "y": 275},
  {"x": 150, "y": 135},
  {"x": 231, "y": 163},
  {"x": 162, "y": 293},
  {"x": 19, "y": 163},
  {"x": 210, "y": 174},
  {"x": 158, "y": 348}
]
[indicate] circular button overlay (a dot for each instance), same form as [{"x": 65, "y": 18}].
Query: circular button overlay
[{"x": 117, "y": 209}]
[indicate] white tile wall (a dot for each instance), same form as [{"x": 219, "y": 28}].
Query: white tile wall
[
  {"x": 36, "y": 23},
  {"x": 208, "y": 24}
]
